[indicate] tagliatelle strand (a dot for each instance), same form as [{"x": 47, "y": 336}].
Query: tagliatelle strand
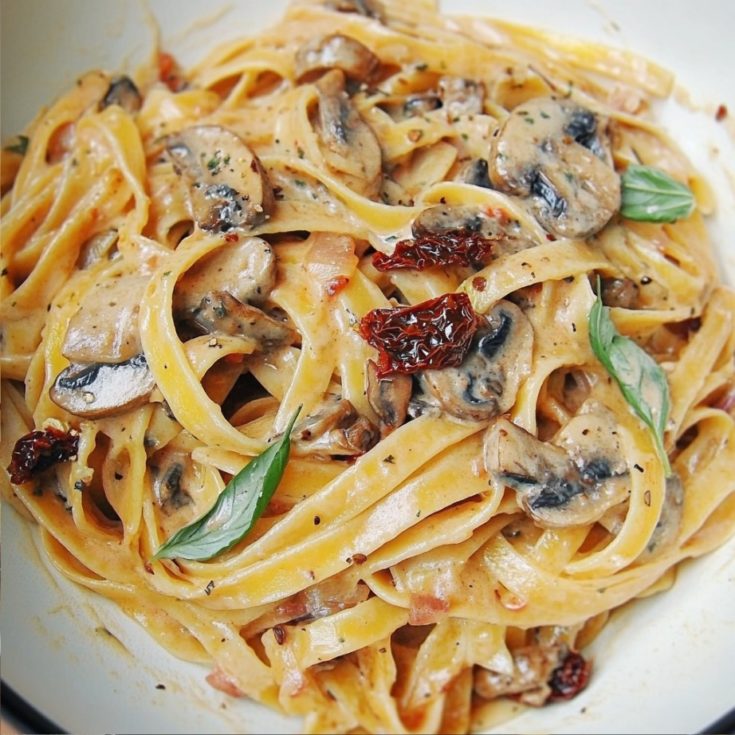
[{"x": 189, "y": 261}]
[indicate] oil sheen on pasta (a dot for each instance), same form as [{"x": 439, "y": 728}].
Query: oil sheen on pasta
[{"x": 191, "y": 255}]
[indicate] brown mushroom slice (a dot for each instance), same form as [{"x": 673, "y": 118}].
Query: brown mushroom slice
[
  {"x": 497, "y": 225},
  {"x": 420, "y": 103},
  {"x": 557, "y": 154},
  {"x": 246, "y": 269},
  {"x": 349, "y": 144},
  {"x": 461, "y": 96},
  {"x": 122, "y": 92},
  {"x": 572, "y": 482},
  {"x": 172, "y": 472},
  {"x": 105, "y": 327},
  {"x": 475, "y": 172},
  {"x": 388, "y": 397},
  {"x": 220, "y": 311},
  {"x": 228, "y": 187},
  {"x": 336, "y": 51},
  {"x": 486, "y": 383},
  {"x": 620, "y": 292},
  {"x": 669, "y": 521},
  {"x": 99, "y": 246},
  {"x": 334, "y": 430},
  {"x": 368, "y": 8},
  {"x": 102, "y": 389},
  {"x": 532, "y": 670}
]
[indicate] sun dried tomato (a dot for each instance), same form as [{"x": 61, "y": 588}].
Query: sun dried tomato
[
  {"x": 451, "y": 247},
  {"x": 434, "y": 334},
  {"x": 39, "y": 450},
  {"x": 570, "y": 678}
]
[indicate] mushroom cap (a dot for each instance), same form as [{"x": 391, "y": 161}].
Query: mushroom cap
[
  {"x": 335, "y": 51},
  {"x": 246, "y": 269},
  {"x": 228, "y": 186},
  {"x": 571, "y": 482},
  {"x": 486, "y": 383},
  {"x": 105, "y": 327},
  {"x": 557, "y": 153},
  {"x": 388, "y": 397},
  {"x": 497, "y": 225},
  {"x": 220, "y": 311},
  {"x": 96, "y": 390},
  {"x": 123, "y": 92},
  {"x": 334, "y": 429},
  {"x": 348, "y": 143}
]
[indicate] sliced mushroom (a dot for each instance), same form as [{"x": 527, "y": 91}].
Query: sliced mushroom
[
  {"x": 220, "y": 311},
  {"x": 669, "y": 522},
  {"x": 532, "y": 670},
  {"x": 571, "y": 482},
  {"x": 99, "y": 246},
  {"x": 557, "y": 153},
  {"x": 388, "y": 397},
  {"x": 228, "y": 186},
  {"x": 102, "y": 389},
  {"x": 122, "y": 92},
  {"x": 368, "y": 8},
  {"x": 105, "y": 327},
  {"x": 475, "y": 172},
  {"x": 335, "y": 430},
  {"x": 245, "y": 269},
  {"x": 171, "y": 471},
  {"x": 487, "y": 381},
  {"x": 421, "y": 103},
  {"x": 620, "y": 292},
  {"x": 336, "y": 51},
  {"x": 348, "y": 142},
  {"x": 461, "y": 96},
  {"x": 496, "y": 225}
]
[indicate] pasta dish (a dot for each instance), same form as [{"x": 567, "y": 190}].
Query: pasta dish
[{"x": 371, "y": 362}]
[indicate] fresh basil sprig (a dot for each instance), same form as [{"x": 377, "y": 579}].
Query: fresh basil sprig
[
  {"x": 237, "y": 508},
  {"x": 650, "y": 195},
  {"x": 639, "y": 376}
]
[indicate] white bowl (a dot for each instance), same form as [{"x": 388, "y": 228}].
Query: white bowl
[{"x": 662, "y": 665}]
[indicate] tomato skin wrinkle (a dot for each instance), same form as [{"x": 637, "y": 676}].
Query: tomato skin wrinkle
[
  {"x": 570, "y": 678},
  {"x": 39, "y": 450},
  {"x": 454, "y": 247},
  {"x": 431, "y": 335}
]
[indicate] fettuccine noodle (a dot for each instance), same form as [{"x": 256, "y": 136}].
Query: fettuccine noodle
[{"x": 402, "y": 578}]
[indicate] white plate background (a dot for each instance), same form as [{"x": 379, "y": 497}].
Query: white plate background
[{"x": 667, "y": 664}]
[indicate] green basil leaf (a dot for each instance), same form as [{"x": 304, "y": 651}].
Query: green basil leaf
[
  {"x": 237, "y": 508},
  {"x": 20, "y": 147},
  {"x": 650, "y": 195},
  {"x": 640, "y": 378}
]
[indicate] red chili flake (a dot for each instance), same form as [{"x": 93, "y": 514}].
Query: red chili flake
[
  {"x": 39, "y": 450},
  {"x": 169, "y": 72},
  {"x": 231, "y": 237},
  {"x": 279, "y": 633},
  {"x": 721, "y": 113},
  {"x": 479, "y": 283},
  {"x": 453, "y": 247},
  {"x": 431, "y": 335},
  {"x": 570, "y": 678},
  {"x": 359, "y": 558}
]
